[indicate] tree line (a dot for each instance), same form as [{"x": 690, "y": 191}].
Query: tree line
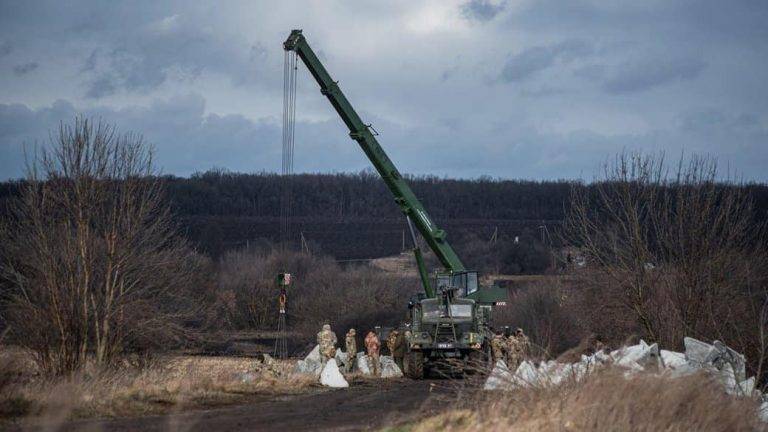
[{"x": 353, "y": 216}]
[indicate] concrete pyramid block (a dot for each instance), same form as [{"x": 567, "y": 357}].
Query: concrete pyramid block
[
  {"x": 747, "y": 387},
  {"x": 763, "y": 412},
  {"x": 672, "y": 359},
  {"x": 311, "y": 364},
  {"x": 331, "y": 376},
  {"x": 313, "y": 355},
  {"x": 500, "y": 377},
  {"x": 728, "y": 379},
  {"x": 363, "y": 364},
  {"x": 389, "y": 368},
  {"x": 696, "y": 351},
  {"x": 341, "y": 358},
  {"x": 641, "y": 354},
  {"x": 526, "y": 374}
]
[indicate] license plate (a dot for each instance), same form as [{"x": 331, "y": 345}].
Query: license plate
[{"x": 445, "y": 345}]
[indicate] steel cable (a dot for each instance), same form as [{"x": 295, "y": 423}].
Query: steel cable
[{"x": 290, "y": 67}]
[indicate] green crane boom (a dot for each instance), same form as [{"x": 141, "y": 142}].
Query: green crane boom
[{"x": 360, "y": 132}]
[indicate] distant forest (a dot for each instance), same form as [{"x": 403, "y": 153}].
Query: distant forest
[{"x": 353, "y": 216}]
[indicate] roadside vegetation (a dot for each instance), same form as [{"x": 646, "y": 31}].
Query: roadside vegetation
[
  {"x": 603, "y": 401},
  {"x": 166, "y": 384}
]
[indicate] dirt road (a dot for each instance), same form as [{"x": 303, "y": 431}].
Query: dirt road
[{"x": 364, "y": 406}]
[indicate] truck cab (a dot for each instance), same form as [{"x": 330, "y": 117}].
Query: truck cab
[{"x": 447, "y": 327}]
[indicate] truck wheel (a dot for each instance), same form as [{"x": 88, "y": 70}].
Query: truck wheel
[{"x": 414, "y": 365}]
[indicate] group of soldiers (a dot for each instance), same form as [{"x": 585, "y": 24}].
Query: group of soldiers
[
  {"x": 326, "y": 339},
  {"x": 513, "y": 349}
]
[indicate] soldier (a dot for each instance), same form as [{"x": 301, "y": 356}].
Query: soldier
[
  {"x": 518, "y": 348},
  {"x": 398, "y": 348},
  {"x": 524, "y": 344},
  {"x": 372, "y": 346},
  {"x": 497, "y": 346},
  {"x": 351, "y": 343},
  {"x": 326, "y": 339}
]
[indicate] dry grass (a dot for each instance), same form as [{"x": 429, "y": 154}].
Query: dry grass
[
  {"x": 602, "y": 402},
  {"x": 168, "y": 385}
]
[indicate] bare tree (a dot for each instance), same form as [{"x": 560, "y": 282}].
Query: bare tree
[
  {"x": 321, "y": 292},
  {"x": 678, "y": 249},
  {"x": 89, "y": 252}
]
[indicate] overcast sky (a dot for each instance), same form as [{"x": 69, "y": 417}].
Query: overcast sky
[{"x": 536, "y": 89}]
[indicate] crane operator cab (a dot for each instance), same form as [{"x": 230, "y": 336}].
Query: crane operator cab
[{"x": 463, "y": 283}]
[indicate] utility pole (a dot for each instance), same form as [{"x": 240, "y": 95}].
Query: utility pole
[
  {"x": 495, "y": 235},
  {"x": 304, "y": 244},
  {"x": 546, "y": 239}
]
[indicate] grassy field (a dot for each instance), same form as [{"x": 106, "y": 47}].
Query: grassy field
[
  {"x": 166, "y": 384},
  {"x": 604, "y": 400}
]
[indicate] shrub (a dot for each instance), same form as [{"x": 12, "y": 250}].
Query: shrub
[{"x": 90, "y": 259}]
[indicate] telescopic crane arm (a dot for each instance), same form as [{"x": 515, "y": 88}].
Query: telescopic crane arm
[{"x": 360, "y": 132}]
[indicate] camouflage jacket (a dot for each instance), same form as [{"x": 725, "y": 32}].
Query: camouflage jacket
[
  {"x": 351, "y": 343},
  {"x": 392, "y": 340},
  {"x": 327, "y": 340},
  {"x": 518, "y": 345},
  {"x": 497, "y": 346},
  {"x": 398, "y": 347}
]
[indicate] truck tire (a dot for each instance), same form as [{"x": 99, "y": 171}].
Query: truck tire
[{"x": 414, "y": 365}]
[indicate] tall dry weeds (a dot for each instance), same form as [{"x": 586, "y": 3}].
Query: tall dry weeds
[
  {"x": 167, "y": 385},
  {"x": 606, "y": 401}
]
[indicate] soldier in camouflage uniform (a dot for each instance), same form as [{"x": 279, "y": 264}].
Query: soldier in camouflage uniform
[
  {"x": 524, "y": 344},
  {"x": 372, "y": 346},
  {"x": 518, "y": 347},
  {"x": 396, "y": 345},
  {"x": 326, "y": 339},
  {"x": 498, "y": 347},
  {"x": 351, "y": 343}
]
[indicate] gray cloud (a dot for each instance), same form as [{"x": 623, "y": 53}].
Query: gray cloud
[
  {"x": 186, "y": 140},
  {"x": 141, "y": 58},
  {"x": 202, "y": 81},
  {"x": 5, "y": 48},
  {"x": 482, "y": 10},
  {"x": 25, "y": 68},
  {"x": 532, "y": 60},
  {"x": 123, "y": 70},
  {"x": 650, "y": 72},
  {"x": 714, "y": 121}
]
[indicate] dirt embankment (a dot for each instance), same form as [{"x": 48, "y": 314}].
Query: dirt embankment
[{"x": 367, "y": 405}]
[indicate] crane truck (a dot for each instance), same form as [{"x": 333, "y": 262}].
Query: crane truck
[{"x": 450, "y": 320}]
